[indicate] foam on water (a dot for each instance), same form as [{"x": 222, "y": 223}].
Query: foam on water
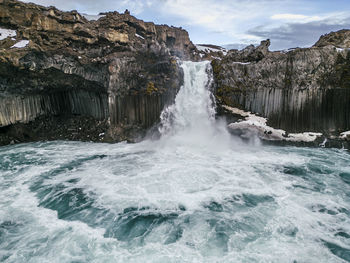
[{"x": 195, "y": 195}]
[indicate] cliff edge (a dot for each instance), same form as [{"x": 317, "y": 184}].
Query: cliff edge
[
  {"x": 63, "y": 76},
  {"x": 297, "y": 90}
]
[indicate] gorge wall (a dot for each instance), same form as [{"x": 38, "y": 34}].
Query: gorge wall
[
  {"x": 63, "y": 76},
  {"x": 298, "y": 90},
  {"x": 116, "y": 69}
]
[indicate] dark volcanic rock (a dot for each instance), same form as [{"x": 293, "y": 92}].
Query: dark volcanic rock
[
  {"x": 305, "y": 89},
  {"x": 61, "y": 127},
  {"x": 117, "y": 69}
]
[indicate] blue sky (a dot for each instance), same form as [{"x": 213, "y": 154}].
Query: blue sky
[{"x": 288, "y": 23}]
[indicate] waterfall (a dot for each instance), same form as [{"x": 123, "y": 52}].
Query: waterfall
[
  {"x": 194, "y": 195},
  {"x": 191, "y": 119},
  {"x": 194, "y": 106}
]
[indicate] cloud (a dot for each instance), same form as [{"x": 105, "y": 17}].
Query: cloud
[
  {"x": 295, "y": 18},
  {"x": 95, "y": 7},
  {"x": 301, "y": 34},
  {"x": 288, "y": 23},
  {"x": 223, "y": 15},
  {"x": 227, "y": 19}
]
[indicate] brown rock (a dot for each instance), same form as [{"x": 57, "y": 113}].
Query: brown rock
[
  {"x": 340, "y": 39},
  {"x": 96, "y": 69}
]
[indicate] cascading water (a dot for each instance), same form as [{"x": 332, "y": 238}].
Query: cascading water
[
  {"x": 195, "y": 195},
  {"x": 194, "y": 106},
  {"x": 191, "y": 119}
]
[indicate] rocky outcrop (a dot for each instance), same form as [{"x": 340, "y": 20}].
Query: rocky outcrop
[
  {"x": 339, "y": 39},
  {"x": 299, "y": 90},
  {"x": 210, "y": 52},
  {"x": 117, "y": 69}
]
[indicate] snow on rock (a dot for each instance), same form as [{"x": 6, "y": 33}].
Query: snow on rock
[
  {"x": 5, "y": 33},
  {"x": 345, "y": 135},
  {"x": 287, "y": 50},
  {"x": 339, "y": 50},
  {"x": 211, "y": 49},
  {"x": 241, "y": 63},
  {"x": 255, "y": 125},
  {"x": 92, "y": 17},
  {"x": 137, "y": 35},
  {"x": 21, "y": 44},
  {"x": 303, "y": 137}
]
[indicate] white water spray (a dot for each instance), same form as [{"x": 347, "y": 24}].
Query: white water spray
[
  {"x": 191, "y": 119},
  {"x": 194, "y": 106},
  {"x": 192, "y": 196}
]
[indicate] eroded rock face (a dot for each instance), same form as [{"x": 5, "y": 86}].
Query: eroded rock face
[
  {"x": 116, "y": 69},
  {"x": 340, "y": 39},
  {"x": 300, "y": 90}
]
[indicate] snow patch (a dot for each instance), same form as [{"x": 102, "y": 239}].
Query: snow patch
[
  {"x": 287, "y": 50},
  {"x": 254, "y": 124},
  {"x": 345, "y": 135},
  {"x": 92, "y": 17},
  {"x": 303, "y": 137},
  {"x": 21, "y": 44},
  {"x": 342, "y": 49},
  {"x": 241, "y": 63},
  {"x": 210, "y": 49},
  {"x": 137, "y": 35},
  {"x": 5, "y": 33}
]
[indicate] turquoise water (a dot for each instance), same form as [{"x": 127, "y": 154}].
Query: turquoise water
[
  {"x": 167, "y": 202},
  {"x": 197, "y": 194}
]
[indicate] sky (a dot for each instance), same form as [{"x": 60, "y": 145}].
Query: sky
[{"x": 287, "y": 23}]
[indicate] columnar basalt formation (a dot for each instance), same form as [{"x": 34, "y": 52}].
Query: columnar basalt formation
[
  {"x": 116, "y": 69},
  {"x": 298, "y": 90},
  {"x": 63, "y": 76}
]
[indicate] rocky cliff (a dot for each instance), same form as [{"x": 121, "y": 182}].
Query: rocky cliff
[
  {"x": 64, "y": 76},
  {"x": 118, "y": 72},
  {"x": 298, "y": 90}
]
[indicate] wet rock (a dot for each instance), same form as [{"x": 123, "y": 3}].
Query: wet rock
[{"x": 62, "y": 127}]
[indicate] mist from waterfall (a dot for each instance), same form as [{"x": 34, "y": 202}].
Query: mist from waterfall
[{"x": 191, "y": 119}]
